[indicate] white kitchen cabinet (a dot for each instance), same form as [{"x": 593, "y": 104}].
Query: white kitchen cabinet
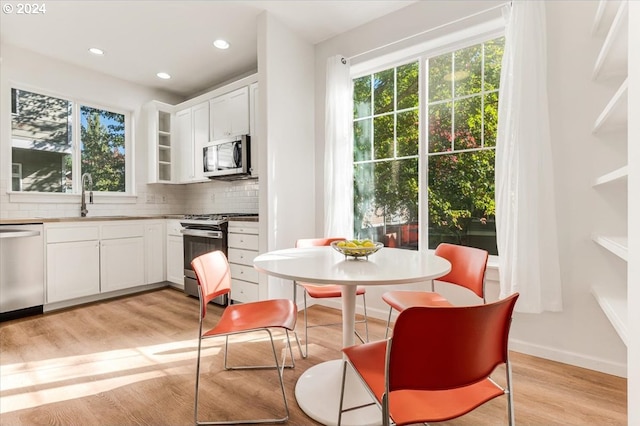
[
  {"x": 184, "y": 142},
  {"x": 243, "y": 248},
  {"x": 73, "y": 262},
  {"x": 193, "y": 133},
  {"x": 122, "y": 256},
  {"x": 230, "y": 114},
  {"x": 161, "y": 152},
  {"x": 175, "y": 247},
  {"x": 611, "y": 127},
  {"x": 253, "y": 128},
  {"x": 154, "y": 253}
]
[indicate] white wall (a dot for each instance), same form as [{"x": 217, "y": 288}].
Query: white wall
[
  {"x": 287, "y": 171},
  {"x": 581, "y": 334},
  {"x": 35, "y": 71}
]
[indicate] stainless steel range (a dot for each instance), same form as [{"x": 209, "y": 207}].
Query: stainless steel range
[{"x": 203, "y": 233}]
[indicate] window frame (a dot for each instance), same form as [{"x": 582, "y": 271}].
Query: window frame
[
  {"x": 128, "y": 196},
  {"x": 422, "y": 52}
]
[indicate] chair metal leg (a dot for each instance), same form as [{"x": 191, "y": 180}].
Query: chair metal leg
[
  {"x": 306, "y": 327},
  {"x": 510, "y": 407},
  {"x": 344, "y": 375},
  {"x": 195, "y": 408},
  {"x": 386, "y": 332}
]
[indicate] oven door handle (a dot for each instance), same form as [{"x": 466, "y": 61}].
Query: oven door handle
[{"x": 201, "y": 233}]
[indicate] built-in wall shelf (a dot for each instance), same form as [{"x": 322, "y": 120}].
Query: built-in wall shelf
[
  {"x": 604, "y": 16},
  {"x": 612, "y": 60},
  {"x": 616, "y": 245},
  {"x": 618, "y": 175},
  {"x": 613, "y": 302},
  {"x": 614, "y": 116}
]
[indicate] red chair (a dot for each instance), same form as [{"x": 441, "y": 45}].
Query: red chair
[
  {"x": 326, "y": 292},
  {"x": 438, "y": 364},
  {"x": 214, "y": 279},
  {"x": 468, "y": 265}
]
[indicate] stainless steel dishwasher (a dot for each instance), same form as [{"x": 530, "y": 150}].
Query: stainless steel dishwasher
[{"x": 21, "y": 270}]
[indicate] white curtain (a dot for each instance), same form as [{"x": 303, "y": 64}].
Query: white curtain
[
  {"x": 525, "y": 205},
  {"x": 338, "y": 167}
]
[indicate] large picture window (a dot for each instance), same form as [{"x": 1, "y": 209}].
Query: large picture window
[
  {"x": 459, "y": 114},
  {"x": 49, "y": 147}
]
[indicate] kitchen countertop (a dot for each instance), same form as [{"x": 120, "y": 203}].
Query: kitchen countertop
[{"x": 249, "y": 218}]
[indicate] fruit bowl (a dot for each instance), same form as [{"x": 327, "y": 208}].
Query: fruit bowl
[{"x": 356, "y": 248}]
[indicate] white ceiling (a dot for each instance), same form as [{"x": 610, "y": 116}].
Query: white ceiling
[{"x": 143, "y": 37}]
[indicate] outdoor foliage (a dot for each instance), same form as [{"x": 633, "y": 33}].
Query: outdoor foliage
[
  {"x": 102, "y": 148},
  {"x": 461, "y": 119}
]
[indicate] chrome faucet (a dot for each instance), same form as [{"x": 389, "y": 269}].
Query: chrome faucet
[{"x": 83, "y": 204}]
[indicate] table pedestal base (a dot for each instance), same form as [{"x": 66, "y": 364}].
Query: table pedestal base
[{"x": 318, "y": 395}]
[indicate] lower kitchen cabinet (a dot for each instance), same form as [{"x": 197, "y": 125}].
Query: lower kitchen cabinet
[
  {"x": 243, "y": 248},
  {"x": 121, "y": 263},
  {"x": 73, "y": 270},
  {"x": 154, "y": 252},
  {"x": 87, "y": 259},
  {"x": 175, "y": 256}
]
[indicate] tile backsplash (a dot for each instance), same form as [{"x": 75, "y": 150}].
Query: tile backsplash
[{"x": 208, "y": 197}]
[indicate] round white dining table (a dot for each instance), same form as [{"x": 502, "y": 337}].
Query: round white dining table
[{"x": 318, "y": 389}]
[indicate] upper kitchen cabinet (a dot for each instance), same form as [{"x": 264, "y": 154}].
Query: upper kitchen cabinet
[
  {"x": 253, "y": 127},
  {"x": 192, "y": 133},
  {"x": 161, "y": 150},
  {"x": 230, "y": 114}
]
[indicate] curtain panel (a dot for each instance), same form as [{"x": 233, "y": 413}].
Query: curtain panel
[{"x": 525, "y": 201}]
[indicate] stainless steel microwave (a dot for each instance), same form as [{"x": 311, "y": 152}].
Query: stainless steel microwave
[{"x": 228, "y": 159}]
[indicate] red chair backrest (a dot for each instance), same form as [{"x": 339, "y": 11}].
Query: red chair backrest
[
  {"x": 446, "y": 347},
  {"x": 214, "y": 276},
  {"x": 316, "y": 242},
  {"x": 468, "y": 265}
]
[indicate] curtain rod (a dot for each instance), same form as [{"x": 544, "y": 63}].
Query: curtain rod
[{"x": 464, "y": 18}]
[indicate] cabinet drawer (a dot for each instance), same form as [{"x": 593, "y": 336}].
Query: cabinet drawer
[
  {"x": 243, "y": 241},
  {"x": 72, "y": 233},
  {"x": 243, "y": 257},
  {"x": 243, "y": 291},
  {"x": 243, "y": 227},
  {"x": 122, "y": 230},
  {"x": 174, "y": 227},
  {"x": 242, "y": 272}
]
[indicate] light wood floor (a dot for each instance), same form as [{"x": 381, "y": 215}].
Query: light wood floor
[{"x": 131, "y": 361}]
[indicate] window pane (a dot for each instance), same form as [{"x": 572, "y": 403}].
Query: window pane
[
  {"x": 41, "y": 141},
  {"x": 490, "y": 119},
  {"x": 462, "y": 199},
  {"x": 383, "y": 92},
  {"x": 467, "y": 74},
  {"x": 386, "y": 199},
  {"x": 362, "y": 140},
  {"x": 102, "y": 148},
  {"x": 407, "y": 133},
  {"x": 408, "y": 86},
  {"x": 440, "y": 78},
  {"x": 493, "y": 51},
  {"x": 383, "y": 136},
  {"x": 468, "y": 123},
  {"x": 440, "y": 127},
  {"x": 362, "y": 97}
]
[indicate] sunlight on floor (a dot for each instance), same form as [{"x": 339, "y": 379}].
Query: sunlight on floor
[{"x": 30, "y": 384}]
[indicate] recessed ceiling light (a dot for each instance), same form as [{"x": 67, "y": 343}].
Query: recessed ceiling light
[
  {"x": 96, "y": 51},
  {"x": 221, "y": 44},
  {"x": 163, "y": 75}
]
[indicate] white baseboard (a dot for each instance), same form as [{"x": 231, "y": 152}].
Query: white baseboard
[{"x": 567, "y": 357}]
